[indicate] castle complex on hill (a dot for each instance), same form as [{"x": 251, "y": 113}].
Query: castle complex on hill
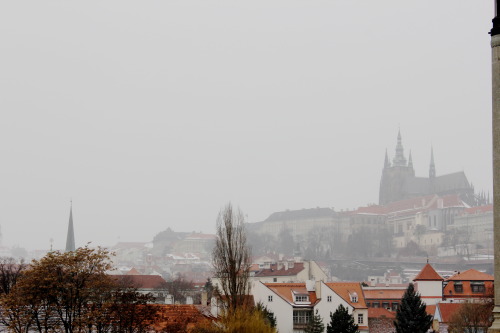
[{"x": 399, "y": 182}]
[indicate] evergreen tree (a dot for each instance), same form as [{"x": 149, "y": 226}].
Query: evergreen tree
[
  {"x": 315, "y": 324},
  {"x": 411, "y": 316},
  {"x": 267, "y": 314},
  {"x": 341, "y": 322}
]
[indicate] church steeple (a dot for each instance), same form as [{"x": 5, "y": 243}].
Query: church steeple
[
  {"x": 410, "y": 161},
  {"x": 432, "y": 167},
  {"x": 399, "y": 158},
  {"x": 70, "y": 239},
  {"x": 387, "y": 164}
]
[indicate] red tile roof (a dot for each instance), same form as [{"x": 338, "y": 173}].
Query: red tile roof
[
  {"x": 431, "y": 309},
  {"x": 141, "y": 281},
  {"x": 411, "y": 206},
  {"x": 184, "y": 317},
  {"x": 478, "y": 210},
  {"x": 346, "y": 290},
  {"x": 287, "y": 290},
  {"x": 447, "y": 310},
  {"x": 382, "y": 294},
  {"x": 380, "y": 313},
  {"x": 428, "y": 273},
  {"x": 471, "y": 275}
]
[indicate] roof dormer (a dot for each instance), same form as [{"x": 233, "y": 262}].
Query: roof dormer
[{"x": 354, "y": 297}]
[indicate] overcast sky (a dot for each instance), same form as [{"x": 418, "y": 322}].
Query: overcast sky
[{"x": 155, "y": 114}]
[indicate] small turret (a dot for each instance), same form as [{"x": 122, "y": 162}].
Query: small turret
[
  {"x": 70, "y": 239},
  {"x": 387, "y": 164},
  {"x": 432, "y": 167},
  {"x": 399, "y": 158}
]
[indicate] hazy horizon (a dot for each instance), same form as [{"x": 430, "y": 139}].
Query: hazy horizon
[{"x": 155, "y": 114}]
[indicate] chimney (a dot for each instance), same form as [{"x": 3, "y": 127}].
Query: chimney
[
  {"x": 310, "y": 285},
  {"x": 204, "y": 298}
]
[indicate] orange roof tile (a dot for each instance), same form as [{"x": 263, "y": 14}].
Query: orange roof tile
[
  {"x": 346, "y": 290},
  {"x": 374, "y": 294},
  {"x": 430, "y": 309},
  {"x": 380, "y": 313},
  {"x": 428, "y": 273},
  {"x": 179, "y": 316},
  {"x": 478, "y": 210},
  {"x": 287, "y": 290},
  {"x": 471, "y": 275},
  {"x": 141, "y": 281},
  {"x": 447, "y": 310}
]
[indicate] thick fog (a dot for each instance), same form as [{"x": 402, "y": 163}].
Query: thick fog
[{"x": 154, "y": 114}]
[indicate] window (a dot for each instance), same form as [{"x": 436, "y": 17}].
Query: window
[
  {"x": 275, "y": 279},
  {"x": 328, "y": 298},
  {"x": 360, "y": 318},
  {"x": 270, "y": 298},
  {"x": 477, "y": 287},
  {"x": 385, "y": 305},
  {"x": 368, "y": 304},
  {"x": 376, "y": 304},
  {"x": 301, "y": 316},
  {"x": 459, "y": 288},
  {"x": 301, "y": 298},
  {"x": 395, "y": 306}
]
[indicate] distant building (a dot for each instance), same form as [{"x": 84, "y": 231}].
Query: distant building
[
  {"x": 475, "y": 225},
  {"x": 398, "y": 181},
  {"x": 70, "y": 239}
]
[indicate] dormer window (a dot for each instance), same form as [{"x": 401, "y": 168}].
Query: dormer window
[
  {"x": 459, "y": 288},
  {"x": 301, "y": 298},
  {"x": 354, "y": 297}
]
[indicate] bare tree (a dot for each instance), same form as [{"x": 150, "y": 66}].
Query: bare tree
[
  {"x": 10, "y": 271},
  {"x": 231, "y": 257}
]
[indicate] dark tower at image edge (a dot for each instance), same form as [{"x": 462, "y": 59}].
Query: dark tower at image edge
[{"x": 70, "y": 239}]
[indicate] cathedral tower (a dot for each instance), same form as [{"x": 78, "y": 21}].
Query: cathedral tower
[
  {"x": 70, "y": 239},
  {"x": 394, "y": 176}
]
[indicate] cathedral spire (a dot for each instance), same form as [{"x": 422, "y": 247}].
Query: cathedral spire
[
  {"x": 399, "y": 158},
  {"x": 70, "y": 240},
  {"x": 432, "y": 167}
]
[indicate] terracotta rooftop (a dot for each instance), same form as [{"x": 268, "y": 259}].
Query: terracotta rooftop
[
  {"x": 141, "y": 281},
  {"x": 374, "y": 294},
  {"x": 478, "y": 210},
  {"x": 428, "y": 273},
  {"x": 380, "y": 313},
  {"x": 346, "y": 289},
  {"x": 430, "y": 309},
  {"x": 471, "y": 275},
  {"x": 446, "y": 310},
  {"x": 172, "y": 317},
  {"x": 287, "y": 290}
]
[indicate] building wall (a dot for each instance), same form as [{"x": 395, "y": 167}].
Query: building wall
[
  {"x": 281, "y": 308},
  {"x": 430, "y": 291}
]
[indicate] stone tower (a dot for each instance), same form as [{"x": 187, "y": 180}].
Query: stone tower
[
  {"x": 70, "y": 239},
  {"x": 395, "y": 175}
]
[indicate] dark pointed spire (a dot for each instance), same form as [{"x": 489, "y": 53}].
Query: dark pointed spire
[
  {"x": 432, "y": 167},
  {"x": 387, "y": 164},
  {"x": 70, "y": 239},
  {"x": 410, "y": 161},
  {"x": 399, "y": 158}
]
